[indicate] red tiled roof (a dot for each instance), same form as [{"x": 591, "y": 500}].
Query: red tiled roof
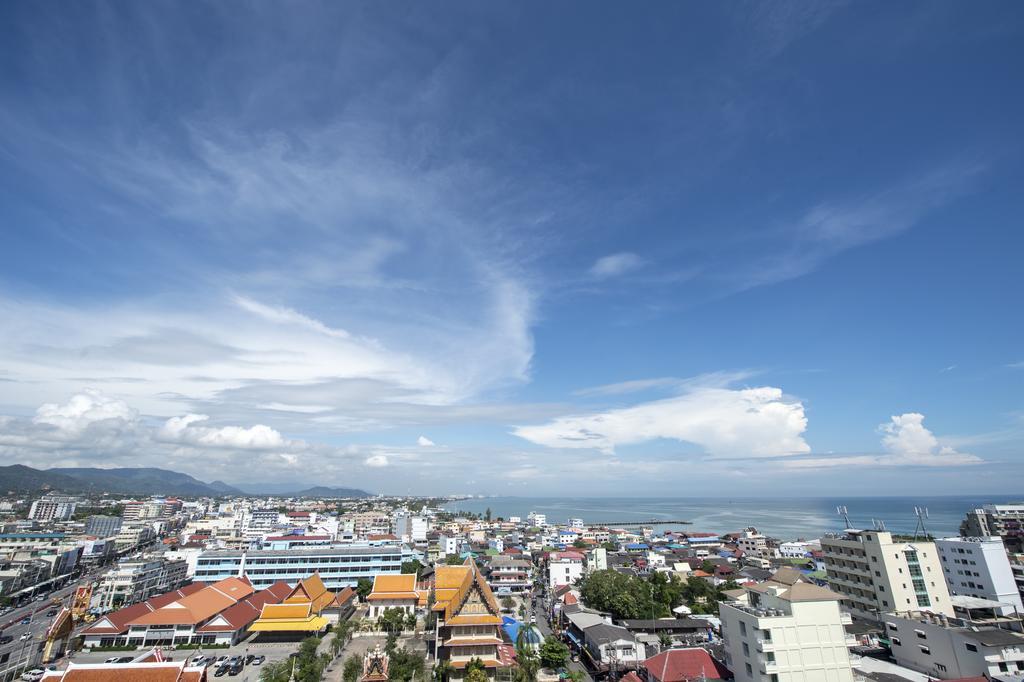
[
  {"x": 631, "y": 677},
  {"x": 279, "y": 538},
  {"x": 684, "y": 665},
  {"x": 119, "y": 619}
]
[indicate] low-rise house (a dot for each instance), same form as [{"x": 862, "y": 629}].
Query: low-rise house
[
  {"x": 611, "y": 648},
  {"x": 679, "y": 629},
  {"x": 683, "y": 665},
  {"x": 564, "y": 568}
]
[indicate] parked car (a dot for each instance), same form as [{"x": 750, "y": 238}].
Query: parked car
[
  {"x": 221, "y": 671},
  {"x": 250, "y": 658},
  {"x": 33, "y": 675},
  {"x": 259, "y": 660},
  {"x": 6, "y": 639},
  {"x": 125, "y": 659}
]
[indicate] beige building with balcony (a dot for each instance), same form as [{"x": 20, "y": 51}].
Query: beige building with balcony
[
  {"x": 785, "y": 630},
  {"x": 875, "y": 574}
]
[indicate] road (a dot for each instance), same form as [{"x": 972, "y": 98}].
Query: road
[{"x": 541, "y": 613}]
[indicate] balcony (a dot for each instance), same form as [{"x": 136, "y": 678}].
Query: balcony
[
  {"x": 768, "y": 666},
  {"x": 765, "y": 645}
]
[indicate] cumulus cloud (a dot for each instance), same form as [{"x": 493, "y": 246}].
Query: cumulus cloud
[
  {"x": 377, "y": 461},
  {"x": 752, "y": 422},
  {"x": 615, "y": 265},
  {"x": 182, "y": 429},
  {"x": 425, "y": 442},
  {"x": 84, "y": 409},
  {"x": 907, "y": 442}
]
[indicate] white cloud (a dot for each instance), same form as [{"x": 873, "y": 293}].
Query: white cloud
[
  {"x": 615, "y": 265},
  {"x": 377, "y": 461},
  {"x": 288, "y": 316},
  {"x": 84, "y": 409},
  {"x": 752, "y": 422},
  {"x": 907, "y": 439},
  {"x": 907, "y": 443},
  {"x": 182, "y": 429},
  {"x": 424, "y": 442}
]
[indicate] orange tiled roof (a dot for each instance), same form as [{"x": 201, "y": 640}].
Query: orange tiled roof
[
  {"x": 199, "y": 606},
  {"x": 454, "y": 583},
  {"x": 168, "y": 671},
  {"x": 313, "y": 590}
]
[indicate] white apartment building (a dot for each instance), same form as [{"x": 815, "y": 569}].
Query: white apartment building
[
  {"x": 951, "y": 648},
  {"x": 138, "y": 580},
  {"x": 133, "y": 536},
  {"x": 535, "y": 519},
  {"x": 448, "y": 545},
  {"x": 576, "y": 523},
  {"x": 979, "y": 567},
  {"x": 409, "y": 528},
  {"x": 785, "y": 630},
  {"x": 256, "y": 523},
  {"x": 564, "y": 568},
  {"x": 876, "y": 574},
  {"x": 597, "y": 560},
  {"x": 53, "y": 508}
]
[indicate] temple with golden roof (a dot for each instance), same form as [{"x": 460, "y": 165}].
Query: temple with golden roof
[
  {"x": 301, "y": 612},
  {"x": 468, "y": 618}
]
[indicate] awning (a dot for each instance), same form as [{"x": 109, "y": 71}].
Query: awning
[
  {"x": 574, "y": 638},
  {"x": 313, "y": 624}
]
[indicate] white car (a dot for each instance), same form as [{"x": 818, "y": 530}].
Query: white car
[
  {"x": 33, "y": 675},
  {"x": 25, "y": 635}
]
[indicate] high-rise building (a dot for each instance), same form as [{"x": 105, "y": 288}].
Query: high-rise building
[
  {"x": 979, "y": 567},
  {"x": 875, "y": 573},
  {"x": 1004, "y": 520},
  {"x": 53, "y": 508},
  {"x": 785, "y": 630}
]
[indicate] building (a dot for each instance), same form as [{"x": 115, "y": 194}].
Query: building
[
  {"x": 138, "y": 580},
  {"x": 103, "y": 526},
  {"x": 683, "y": 665},
  {"x": 797, "y": 549},
  {"x": 564, "y": 568},
  {"x": 597, "y": 559},
  {"x": 785, "y": 630},
  {"x": 411, "y": 528},
  {"x": 300, "y": 613},
  {"x": 876, "y": 574},
  {"x": 954, "y": 648},
  {"x": 509, "y": 574},
  {"x": 448, "y": 545},
  {"x": 339, "y": 567},
  {"x": 152, "y": 668},
  {"x": 612, "y": 648},
  {"x": 134, "y": 535},
  {"x": 979, "y": 567},
  {"x": 468, "y": 619},
  {"x": 1004, "y": 520},
  {"x": 53, "y": 508},
  {"x": 753, "y": 543},
  {"x": 393, "y": 592},
  {"x": 535, "y": 519}
]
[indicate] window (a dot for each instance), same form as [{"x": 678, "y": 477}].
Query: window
[
  {"x": 896, "y": 641},
  {"x": 971, "y": 647},
  {"x": 924, "y": 650},
  {"x": 750, "y": 671},
  {"x": 941, "y": 668}
]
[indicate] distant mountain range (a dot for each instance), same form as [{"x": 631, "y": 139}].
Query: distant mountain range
[{"x": 135, "y": 481}]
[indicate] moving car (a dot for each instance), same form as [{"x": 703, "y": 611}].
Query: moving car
[{"x": 25, "y": 635}]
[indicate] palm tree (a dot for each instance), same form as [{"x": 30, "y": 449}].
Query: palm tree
[{"x": 442, "y": 671}]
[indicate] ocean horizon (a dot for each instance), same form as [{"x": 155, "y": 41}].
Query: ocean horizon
[{"x": 784, "y": 518}]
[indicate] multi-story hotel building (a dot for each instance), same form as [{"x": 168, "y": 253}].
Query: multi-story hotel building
[
  {"x": 785, "y": 630},
  {"x": 338, "y": 566},
  {"x": 875, "y": 574}
]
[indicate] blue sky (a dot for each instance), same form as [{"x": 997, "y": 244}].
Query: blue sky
[{"x": 769, "y": 248}]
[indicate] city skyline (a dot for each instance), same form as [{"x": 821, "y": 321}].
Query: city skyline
[{"x": 516, "y": 250}]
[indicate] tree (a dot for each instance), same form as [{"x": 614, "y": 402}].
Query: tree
[
  {"x": 342, "y": 635},
  {"x": 664, "y": 639},
  {"x": 476, "y": 671},
  {"x": 527, "y": 659},
  {"x": 308, "y": 666},
  {"x": 442, "y": 671},
  {"x": 364, "y": 587},
  {"x": 553, "y": 654},
  {"x": 406, "y": 665},
  {"x": 352, "y": 670},
  {"x": 412, "y": 566},
  {"x": 610, "y": 546},
  {"x": 507, "y": 603},
  {"x": 579, "y": 544},
  {"x": 453, "y": 560},
  {"x": 410, "y": 621},
  {"x": 625, "y": 597},
  {"x": 574, "y": 676},
  {"x": 487, "y": 515},
  {"x": 392, "y": 620}
]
